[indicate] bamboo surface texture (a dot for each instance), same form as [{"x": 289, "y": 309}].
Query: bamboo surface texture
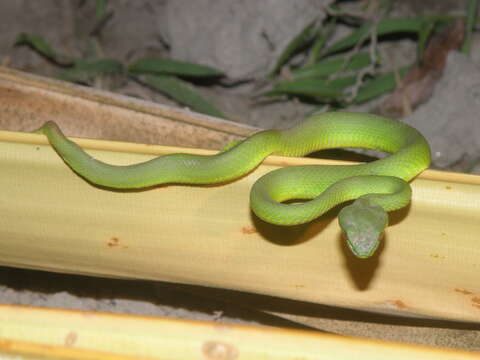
[
  {"x": 54, "y": 220},
  {"x": 86, "y": 335}
]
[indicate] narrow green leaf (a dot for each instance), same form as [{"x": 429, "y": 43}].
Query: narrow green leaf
[
  {"x": 471, "y": 20},
  {"x": 152, "y": 65},
  {"x": 331, "y": 66},
  {"x": 385, "y": 26},
  {"x": 320, "y": 40},
  {"x": 323, "y": 89},
  {"x": 296, "y": 44},
  {"x": 40, "y": 45},
  {"x": 320, "y": 88},
  {"x": 100, "y": 8},
  {"x": 423, "y": 36},
  {"x": 74, "y": 76},
  {"x": 84, "y": 71},
  {"x": 102, "y": 66},
  {"x": 377, "y": 86},
  {"x": 317, "y": 48},
  {"x": 342, "y": 83},
  {"x": 182, "y": 92}
]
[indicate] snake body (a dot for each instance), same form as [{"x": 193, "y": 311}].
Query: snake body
[{"x": 378, "y": 187}]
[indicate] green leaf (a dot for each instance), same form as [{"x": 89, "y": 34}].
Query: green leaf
[
  {"x": 331, "y": 66},
  {"x": 377, "y": 86},
  {"x": 299, "y": 42},
  {"x": 100, "y": 8},
  {"x": 319, "y": 88},
  {"x": 40, "y": 45},
  {"x": 84, "y": 71},
  {"x": 323, "y": 89},
  {"x": 152, "y": 65},
  {"x": 385, "y": 26},
  {"x": 75, "y": 76},
  {"x": 317, "y": 47},
  {"x": 423, "y": 36},
  {"x": 183, "y": 93},
  {"x": 320, "y": 41},
  {"x": 471, "y": 20}
]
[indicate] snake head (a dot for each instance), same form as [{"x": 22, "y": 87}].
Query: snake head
[{"x": 363, "y": 223}]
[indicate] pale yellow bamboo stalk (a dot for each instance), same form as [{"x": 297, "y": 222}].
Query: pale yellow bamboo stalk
[
  {"x": 63, "y": 334},
  {"x": 54, "y": 220}
]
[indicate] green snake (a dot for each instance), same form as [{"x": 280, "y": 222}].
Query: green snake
[{"x": 377, "y": 187}]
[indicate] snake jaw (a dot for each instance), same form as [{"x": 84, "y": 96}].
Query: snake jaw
[{"x": 363, "y": 223}]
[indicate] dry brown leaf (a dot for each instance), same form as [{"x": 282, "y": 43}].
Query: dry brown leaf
[{"x": 418, "y": 84}]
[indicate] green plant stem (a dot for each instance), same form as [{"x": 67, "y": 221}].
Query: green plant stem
[{"x": 471, "y": 19}]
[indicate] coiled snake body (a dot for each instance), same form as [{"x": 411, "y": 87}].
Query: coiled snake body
[{"x": 378, "y": 187}]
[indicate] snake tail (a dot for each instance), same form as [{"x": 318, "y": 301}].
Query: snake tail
[{"x": 376, "y": 187}]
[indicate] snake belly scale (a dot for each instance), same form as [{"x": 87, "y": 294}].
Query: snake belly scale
[{"x": 378, "y": 187}]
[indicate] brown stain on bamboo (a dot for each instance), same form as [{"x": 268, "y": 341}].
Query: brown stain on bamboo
[
  {"x": 399, "y": 304},
  {"x": 115, "y": 242},
  {"x": 463, "y": 291},
  {"x": 71, "y": 339},
  {"x": 475, "y": 299},
  {"x": 216, "y": 350},
  {"x": 476, "y": 302},
  {"x": 396, "y": 303},
  {"x": 248, "y": 230}
]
